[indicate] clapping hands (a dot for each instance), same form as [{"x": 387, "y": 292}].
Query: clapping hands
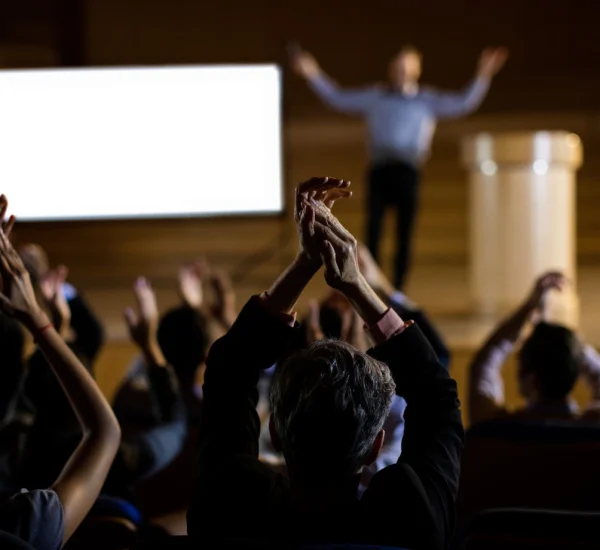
[
  {"x": 18, "y": 296},
  {"x": 312, "y": 195},
  {"x": 322, "y": 237},
  {"x": 143, "y": 323}
]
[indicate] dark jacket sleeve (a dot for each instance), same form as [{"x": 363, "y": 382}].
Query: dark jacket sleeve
[
  {"x": 89, "y": 334},
  {"x": 230, "y": 426},
  {"x": 433, "y": 433},
  {"x": 230, "y": 423},
  {"x": 427, "y": 328}
]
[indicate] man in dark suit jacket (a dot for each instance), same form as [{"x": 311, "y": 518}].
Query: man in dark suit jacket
[{"x": 329, "y": 402}]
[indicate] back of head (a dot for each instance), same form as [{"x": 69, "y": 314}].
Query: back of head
[
  {"x": 183, "y": 339},
  {"x": 554, "y": 354},
  {"x": 329, "y": 402},
  {"x": 36, "y": 261}
]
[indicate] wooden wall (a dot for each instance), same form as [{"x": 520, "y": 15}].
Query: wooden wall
[{"x": 555, "y": 53}]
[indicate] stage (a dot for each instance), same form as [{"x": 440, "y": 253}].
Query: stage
[{"x": 105, "y": 257}]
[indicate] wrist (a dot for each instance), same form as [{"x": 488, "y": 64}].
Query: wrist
[
  {"x": 36, "y": 320},
  {"x": 304, "y": 262},
  {"x": 313, "y": 74},
  {"x": 355, "y": 288},
  {"x": 365, "y": 300}
]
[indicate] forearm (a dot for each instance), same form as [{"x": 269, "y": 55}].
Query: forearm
[
  {"x": 486, "y": 387},
  {"x": 285, "y": 291},
  {"x": 475, "y": 93},
  {"x": 346, "y": 101},
  {"x": 510, "y": 329},
  {"x": 452, "y": 105},
  {"x": 82, "y": 477},
  {"x": 365, "y": 301}
]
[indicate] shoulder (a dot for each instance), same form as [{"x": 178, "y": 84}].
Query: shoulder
[
  {"x": 37, "y": 517},
  {"x": 429, "y": 92}
]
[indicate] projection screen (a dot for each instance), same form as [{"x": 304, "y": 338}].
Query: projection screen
[{"x": 141, "y": 142}]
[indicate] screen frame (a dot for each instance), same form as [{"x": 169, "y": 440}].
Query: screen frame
[{"x": 259, "y": 214}]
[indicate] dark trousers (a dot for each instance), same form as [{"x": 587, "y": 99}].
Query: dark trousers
[{"x": 397, "y": 185}]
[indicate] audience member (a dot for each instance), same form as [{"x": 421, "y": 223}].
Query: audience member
[
  {"x": 84, "y": 331},
  {"x": 550, "y": 360},
  {"x": 329, "y": 403},
  {"x": 147, "y": 451},
  {"x": 47, "y": 518},
  {"x": 184, "y": 334}
]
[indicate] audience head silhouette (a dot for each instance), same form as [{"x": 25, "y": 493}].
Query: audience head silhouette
[
  {"x": 549, "y": 362},
  {"x": 329, "y": 402},
  {"x": 183, "y": 338},
  {"x": 36, "y": 262}
]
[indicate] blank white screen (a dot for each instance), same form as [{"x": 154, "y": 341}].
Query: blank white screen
[{"x": 141, "y": 142}]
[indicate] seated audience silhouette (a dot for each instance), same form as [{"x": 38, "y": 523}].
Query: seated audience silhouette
[
  {"x": 550, "y": 361},
  {"x": 47, "y": 518}
]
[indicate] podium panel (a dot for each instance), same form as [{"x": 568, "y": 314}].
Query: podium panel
[{"x": 522, "y": 217}]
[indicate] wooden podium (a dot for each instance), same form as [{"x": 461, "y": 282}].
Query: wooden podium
[{"x": 522, "y": 217}]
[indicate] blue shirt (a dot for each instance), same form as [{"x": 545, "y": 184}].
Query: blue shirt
[
  {"x": 35, "y": 517},
  {"x": 401, "y": 126}
]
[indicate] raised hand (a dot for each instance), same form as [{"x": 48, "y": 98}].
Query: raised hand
[
  {"x": 552, "y": 280},
  {"x": 52, "y": 287},
  {"x": 143, "y": 324},
  {"x": 223, "y": 308},
  {"x": 304, "y": 64},
  {"x": 18, "y": 297},
  {"x": 320, "y": 192},
  {"x": 7, "y": 225},
  {"x": 491, "y": 61},
  {"x": 190, "y": 283}
]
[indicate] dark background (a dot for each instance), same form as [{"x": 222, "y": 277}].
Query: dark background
[{"x": 554, "y": 43}]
